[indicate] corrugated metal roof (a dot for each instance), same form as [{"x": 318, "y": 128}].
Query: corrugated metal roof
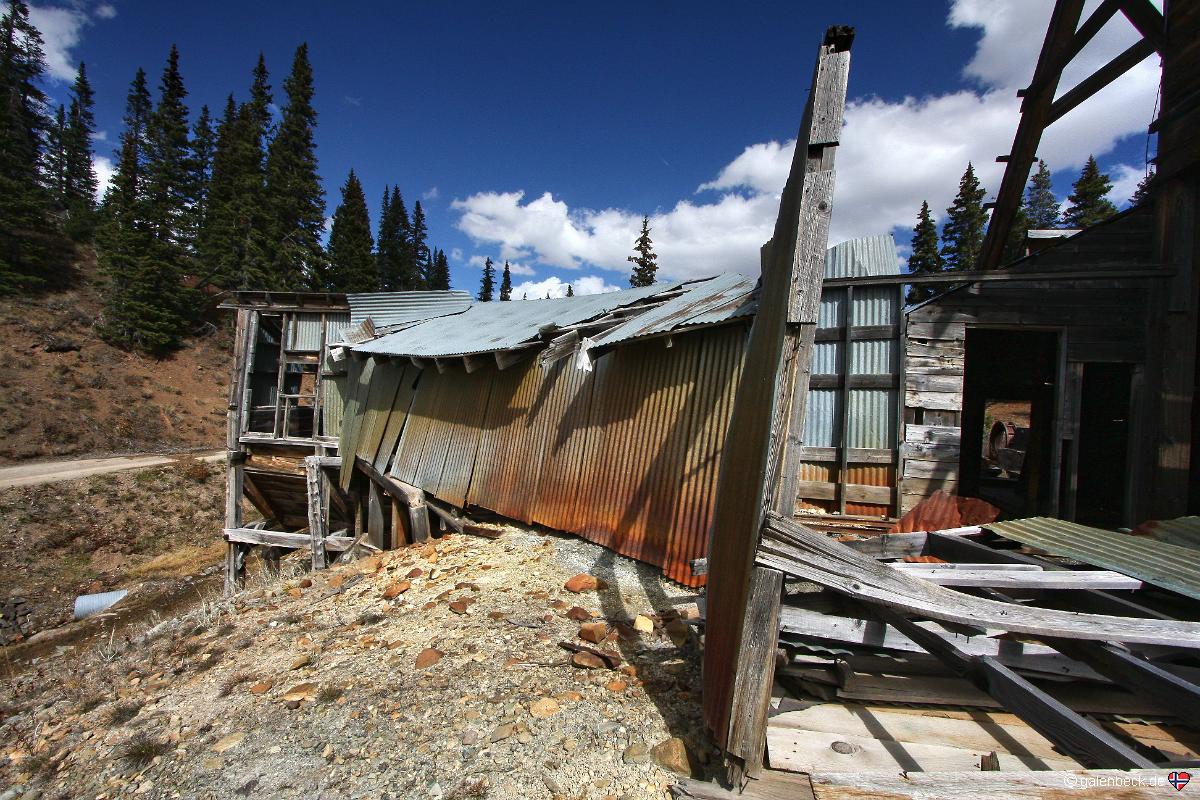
[
  {"x": 1184, "y": 531},
  {"x": 705, "y": 302},
  {"x": 857, "y": 258},
  {"x": 397, "y": 308},
  {"x": 1164, "y": 565},
  {"x": 489, "y": 327}
]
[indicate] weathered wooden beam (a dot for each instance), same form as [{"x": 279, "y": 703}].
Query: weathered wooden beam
[
  {"x": 759, "y": 465},
  {"x": 1143, "y": 678},
  {"x": 1149, "y": 22},
  {"x": 1002, "y": 276},
  {"x": 314, "y": 483},
  {"x": 1014, "y": 579},
  {"x": 235, "y": 455},
  {"x": 1079, "y": 737},
  {"x": 294, "y": 541},
  {"x": 376, "y": 527},
  {"x": 1064, "y": 20},
  {"x": 472, "y": 363},
  {"x": 1102, "y": 77}
]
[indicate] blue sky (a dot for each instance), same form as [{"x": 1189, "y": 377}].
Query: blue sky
[{"x": 541, "y": 132}]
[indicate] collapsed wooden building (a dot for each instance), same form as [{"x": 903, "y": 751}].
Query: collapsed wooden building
[{"x": 716, "y": 427}]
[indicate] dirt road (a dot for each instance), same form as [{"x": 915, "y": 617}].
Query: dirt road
[{"x": 51, "y": 471}]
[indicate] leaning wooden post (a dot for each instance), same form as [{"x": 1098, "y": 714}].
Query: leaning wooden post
[
  {"x": 234, "y": 453},
  {"x": 317, "y": 523},
  {"x": 760, "y": 462}
]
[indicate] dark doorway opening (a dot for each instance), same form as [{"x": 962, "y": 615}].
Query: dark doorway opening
[
  {"x": 1103, "y": 445},
  {"x": 1008, "y": 461}
]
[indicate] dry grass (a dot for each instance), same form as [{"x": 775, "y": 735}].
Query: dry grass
[
  {"x": 179, "y": 563},
  {"x": 142, "y": 749},
  {"x": 233, "y": 681},
  {"x": 329, "y": 693},
  {"x": 122, "y": 713}
]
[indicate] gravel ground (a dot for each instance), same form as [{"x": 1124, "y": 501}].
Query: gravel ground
[{"x": 432, "y": 671}]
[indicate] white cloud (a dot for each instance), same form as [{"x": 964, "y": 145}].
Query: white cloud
[
  {"x": 105, "y": 11},
  {"x": 456, "y": 254},
  {"x": 1125, "y": 180},
  {"x": 431, "y": 194},
  {"x": 517, "y": 268},
  {"x": 893, "y": 155},
  {"x": 61, "y": 29},
  {"x": 556, "y": 287},
  {"x": 514, "y": 267},
  {"x": 104, "y": 172}
]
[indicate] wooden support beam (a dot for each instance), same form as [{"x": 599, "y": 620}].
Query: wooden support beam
[
  {"x": 1145, "y": 679},
  {"x": 441, "y": 365},
  {"x": 294, "y": 541},
  {"x": 1080, "y": 738},
  {"x": 314, "y": 483},
  {"x": 1035, "y": 108},
  {"x": 1148, "y": 20},
  {"x": 760, "y": 465},
  {"x": 234, "y": 452},
  {"x": 1001, "y": 579},
  {"x": 507, "y": 358},
  {"x": 400, "y": 533},
  {"x": 454, "y": 522},
  {"x": 1005, "y": 275},
  {"x": 1102, "y": 77}
]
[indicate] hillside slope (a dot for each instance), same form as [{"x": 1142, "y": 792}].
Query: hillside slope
[
  {"x": 431, "y": 671},
  {"x": 66, "y": 392}
]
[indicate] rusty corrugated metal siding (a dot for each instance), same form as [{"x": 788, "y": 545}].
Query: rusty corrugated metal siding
[{"x": 625, "y": 456}]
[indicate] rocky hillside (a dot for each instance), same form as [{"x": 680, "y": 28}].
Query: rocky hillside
[
  {"x": 126, "y": 530},
  {"x": 66, "y": 392},
  {"x": 450, "y": 670}
]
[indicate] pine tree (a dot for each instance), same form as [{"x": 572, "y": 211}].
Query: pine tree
[
  {"x": 925, "y": 258},
  {"x": 1143, "y": 191},
  {"x": 233, "y": 244},
  {"x": 962, "y": 235},
  {"x": 80, "y": 179},
  {"x": 487, "y": 284},
  {"x": 570, "y": 290},
  {"x": 1041, "y": 206},
  {"x": 33, "y": 252},
  {"x": 56, "y": 160},
  {"x": 645, "y": 268},
  {"x": 506, "y": 283},
  {"x": 203, "y": 145},
  {"x": 145, "y": 252},
  {"x": 352, "y": 264},
  {"x": 422, "y": 263},
  {"x": 297, "y": 202},
  {"x": 1088, "y": 202},
  {"x": 397, "y": 272},
  {"x": 439, "y": 279}
]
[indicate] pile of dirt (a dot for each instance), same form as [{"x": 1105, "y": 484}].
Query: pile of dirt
[
  {"x": 108, "y": 532},
  {"x": 437, "y": 670},
  {"x": 67, "y": 392}
]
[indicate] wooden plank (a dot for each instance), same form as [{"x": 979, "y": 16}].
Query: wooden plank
[
  {"x": 770, "y": 785},
  {"x": 932, "y": 434},
  {"x": 980, "y": 732},
  {"x": 853, "y": 382},
  {"x": 295, "y": 541},
  {"x": 854, "y": 492},
  {"x": 1050, "y": 785},
  {"x": 1102, "y": 77},
  {"x": 798, "y": 551},
  {"x": 875, "y": 634},
  {"x": 759, "y": 467},
  {"x": 954, "y": 331},
  {"x": 922, "y": 468},
  {"x": 811, "y": 751},
  {"x": 752, "y": 695},
  {"x": 855, "y": 455},
  {"x": 400, "y": 525},
  {"x": 1141, "y": 677},
  {"x": 916, "y": 382},
  {"x": 931, "y": 452},
  {"x": 997, "y": 579},
  {"x": 947, "y": 401}
]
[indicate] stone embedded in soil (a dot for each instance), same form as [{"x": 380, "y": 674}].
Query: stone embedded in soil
[
  {"x": 428, "y": 657},
  {"x": 543, "y": 707},
  {"x": 262, "y": 687},
  {"x": 461, "y": 605},
  {"x": 301, "y": 691},
  {"x": 502, "y": 732},
  {"x": 415, "y": 572},
  {"x": 230, "y": 741},
  {"x": 616, "y": 686},
  {"x": 568, "y": 696},
  {"x": 672, "y": 754},
  {"x": 396, "y": 589},
  {"x": 588, "y": 661},
  {"x": 578, "y": 614},
  {"x": 594, "y": 632},
  {"x": 643, "y": 624},
  {"x": 636, "y": 753},
  {"x": 678, "y": 631},
  {"x": 584, "y": 582}
]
